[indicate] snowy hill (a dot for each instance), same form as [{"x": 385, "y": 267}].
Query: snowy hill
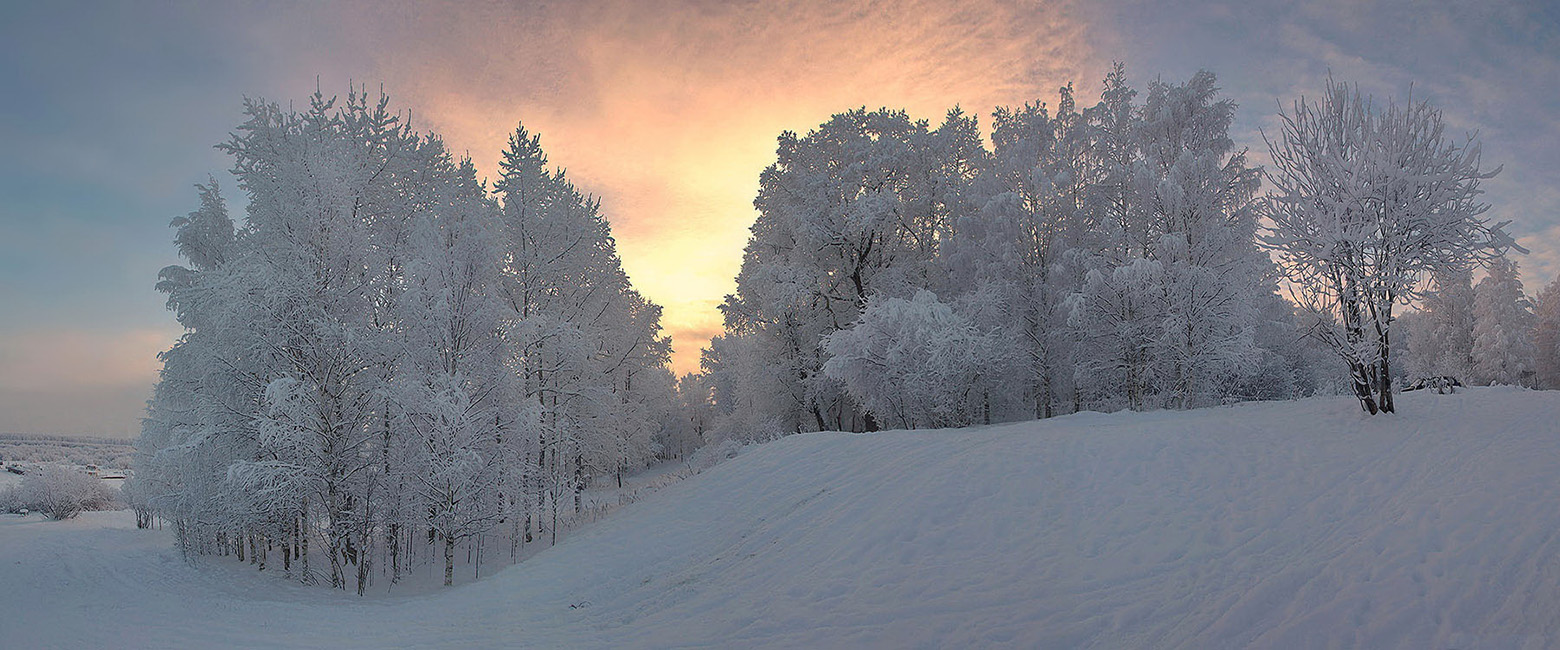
[{"x": 1285, "y": 525}]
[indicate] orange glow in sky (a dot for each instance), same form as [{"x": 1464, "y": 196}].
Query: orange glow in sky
[
  {"x": 667, "y": 110},
  {"x": 669, "y": 114}
]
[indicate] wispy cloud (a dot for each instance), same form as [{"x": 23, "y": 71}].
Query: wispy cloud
[
  {"x": 1487, "y": 65},
  {"x": 668, "y": 111}
]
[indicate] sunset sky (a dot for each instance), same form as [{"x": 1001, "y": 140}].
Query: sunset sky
[{"x": 665, "y": 110}]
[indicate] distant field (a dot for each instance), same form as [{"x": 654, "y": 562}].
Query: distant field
[{"x": 103, "y": 452}]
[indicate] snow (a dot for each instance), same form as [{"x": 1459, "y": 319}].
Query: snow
[{"x": 1291, "y": 525}]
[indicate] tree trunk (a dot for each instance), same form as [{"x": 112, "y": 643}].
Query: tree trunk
[
  {"x": 449, "y": 561},
  {"x": 364, "y": 563},
  {"x": 579, "y": 484},
  {"x": 553, "y": 530},
  {"x": 1384, "y": 387},
  {"x": 303, "y": 551},
  {"x": 338, "y": 579},
  {"x": 1043, "y": 400},
  {"x": 393, "y": 538},
  {"x": 1361, "y": 376}
]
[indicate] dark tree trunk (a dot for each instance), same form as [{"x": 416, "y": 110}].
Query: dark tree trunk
[
  {"x": 1362, "y": 386},
  {"x": 1384, "y": 387}
]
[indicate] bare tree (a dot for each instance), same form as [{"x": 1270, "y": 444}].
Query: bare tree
[{"x": 1366, "y": 201}]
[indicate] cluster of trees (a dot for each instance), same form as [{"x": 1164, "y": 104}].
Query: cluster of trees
[
  {"x": 901, "y": 275},
  {"x": 58, "y": 491},
  {"x": 1485, "y": 334},
  {"x": 79, "y": 451},
  {"x": 385, "y": 358}
]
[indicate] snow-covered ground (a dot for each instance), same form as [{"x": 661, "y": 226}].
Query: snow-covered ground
[{"x": 1289, "y": 525}]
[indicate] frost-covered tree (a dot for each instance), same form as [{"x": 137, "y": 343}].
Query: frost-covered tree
[
  {"x": 1117, "y": 315},
  {"x": 332, "y": 193},
  {"x": 454, "y": 397},
  {"x": 1202, "y": 222},
  {"x": 1367, "y": 200},
  {"x": 696, "y": 411},
  {"x": 1441, "y": 338},
  {"x": 1546, "y": 337},
  {"x": 1286, "y": 366},
  {"x": 1503, "y": 351},
  {"x": 62, "y": 492},
  {"x": 1111, "y": 250},
  {"x": 1175, "y": 287},
  {"x": 857, "y": 207},
  {"x": 918, "y": 363},
  {"x": 382, "y": 361},
  {"x": 1013, "y": 241},
  {"x": 583, "y": 335}
]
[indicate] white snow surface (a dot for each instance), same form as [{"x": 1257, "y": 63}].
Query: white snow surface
[{"x": 1283, "y": 525}]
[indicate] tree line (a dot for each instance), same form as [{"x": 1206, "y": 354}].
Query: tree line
[
  {"x": 1487, "y": 333},
  {"x": 386, "y": 358},
  {"x": 1095, "y": 257}
]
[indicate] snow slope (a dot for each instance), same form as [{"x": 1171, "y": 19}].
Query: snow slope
[{"x": 1288, "y": 525}]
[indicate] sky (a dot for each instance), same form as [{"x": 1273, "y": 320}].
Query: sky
[{"x": 667, "y": 111}]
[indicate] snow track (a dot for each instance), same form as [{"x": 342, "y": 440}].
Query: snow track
[{"x": 1289, "y": 525}]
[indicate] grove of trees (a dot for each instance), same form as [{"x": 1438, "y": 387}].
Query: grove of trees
[
  {"x": 384, "y": 359},
  {"x": 1098, "y": 257}
]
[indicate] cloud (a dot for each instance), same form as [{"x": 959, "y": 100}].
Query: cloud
[
  {"x": 1485, "y": 64},
  {"x": 669, "y": 111},
  {"x": 61, "y": 359}
]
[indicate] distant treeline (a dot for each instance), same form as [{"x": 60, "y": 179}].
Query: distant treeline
[
  {"x": 68, "y": 440},
  {"x": 103, "y": 452}
]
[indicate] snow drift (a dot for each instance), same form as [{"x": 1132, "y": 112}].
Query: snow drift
[{"x": 1290, "y": 525}]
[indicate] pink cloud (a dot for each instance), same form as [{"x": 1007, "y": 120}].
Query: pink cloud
[{"x": 669, "y": 111}]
